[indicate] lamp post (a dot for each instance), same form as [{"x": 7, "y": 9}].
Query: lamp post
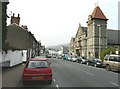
[{"x": 99, "y": 28}]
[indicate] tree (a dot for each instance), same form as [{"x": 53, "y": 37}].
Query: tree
[{"x": 106, "y": 51}]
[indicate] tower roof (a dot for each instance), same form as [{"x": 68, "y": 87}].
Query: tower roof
[{"x": 98, "y": 14}]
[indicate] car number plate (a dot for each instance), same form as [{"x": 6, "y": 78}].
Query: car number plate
[{"x": 37, "y": 77}]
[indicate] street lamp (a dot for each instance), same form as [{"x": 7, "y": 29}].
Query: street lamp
[{"x": 99, "y": 28}]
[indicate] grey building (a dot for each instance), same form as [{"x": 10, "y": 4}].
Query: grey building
[
  {"x": 91, "y": 40},
  {"x": 96, "y": 32},
  {"x": 3, "y": 23},
  {"x": 19, "y": 38},
  {"x": 72, "y": 46},
  {"x": 65, "y": 50},
  {"x": 113, "y": 38}
]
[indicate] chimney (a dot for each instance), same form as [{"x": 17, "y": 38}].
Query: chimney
[
  {"x": 15, "y": 19},
  {"x": 13, "y": 14},
  {"x": 25, "y": 27},
  {"x": 18, "y": 15}
]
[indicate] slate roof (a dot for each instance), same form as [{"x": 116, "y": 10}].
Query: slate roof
[
  {"x": 18, "y": 37},
  {"x": 98, "y": 14},
  {"x": 113, "y": 36}
]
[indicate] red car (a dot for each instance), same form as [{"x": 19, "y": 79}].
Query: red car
[{"x": 37, "y": 69}]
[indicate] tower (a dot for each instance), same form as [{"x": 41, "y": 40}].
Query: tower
[{"x": 97, "y": 32}]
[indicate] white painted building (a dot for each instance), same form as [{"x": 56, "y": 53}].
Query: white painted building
[{"x": 11, "y": 58}]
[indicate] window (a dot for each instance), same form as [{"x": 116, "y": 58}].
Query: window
[
  {"x": 38, "y": 64},
  {"x": 106, "y": 57},
  {"x": 117, "y": 59},
  {"x": 112, "y": 58}
]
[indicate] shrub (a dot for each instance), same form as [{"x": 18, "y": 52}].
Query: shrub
[{"x": 106, "y": 51}]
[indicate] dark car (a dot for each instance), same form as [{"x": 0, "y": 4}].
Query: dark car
[
  {"x": 37, "y": 69},
  {"x": 96, "y": 62}
]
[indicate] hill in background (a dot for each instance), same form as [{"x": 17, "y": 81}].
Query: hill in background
[{"x": 58, "y": 47}]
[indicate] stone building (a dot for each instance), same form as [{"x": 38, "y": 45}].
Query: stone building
[
  {"x": 91, "y": 40},
  {"x": 72, "y": 46},
  {"x": 97, "y": 32}
]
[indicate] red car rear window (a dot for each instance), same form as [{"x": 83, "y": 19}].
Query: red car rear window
[{"x": 37, "y": 64}]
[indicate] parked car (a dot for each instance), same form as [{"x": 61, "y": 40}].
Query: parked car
[
  {"x": 83, "y": 60},
  {"x": 48, "y": 55},
  {"x": 112, "y": 62},
  {"x": 54, "y": 56},
  {"x": 75, "y": 58},
  {"x": 96, "y": 62},
  {"x": 59, "y": 56},
  {"x": 37, "y": 69},
  {"x": 66, "y": 57}
]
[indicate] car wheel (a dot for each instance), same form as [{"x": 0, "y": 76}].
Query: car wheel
[
  {"x": 81, "y": 62},
  {"x": 95, "y": 65},
  {"x": 23, "y": 83},
  {"x": 108, "y": 67},
  {"x": 77, "y": 61},
  {"x": 87, "y": 63},
  {"x": 49, "y": 81}
]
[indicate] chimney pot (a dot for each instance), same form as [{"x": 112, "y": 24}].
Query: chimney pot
[
  {"x": 13, "y": 14},
  {"x": 18, "y": 15}
]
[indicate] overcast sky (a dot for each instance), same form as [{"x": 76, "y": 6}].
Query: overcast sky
[{"x": 56, "y": 21}]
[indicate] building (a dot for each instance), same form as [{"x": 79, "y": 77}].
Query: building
[
  {"x": 72, "y": 46},
  {"x": 113, "y": 38},
  {"x": 20, "y": 38},
  {"x": 80, "y": 40},
  {"x": 96, "y": 32},
  {"x": 119, "y": 14},
  {"x": 20, "y": 44},
  {"x": 65, "y": 50},
  {"x": 3, "y": 23},
  {"x": 91, "y": 40}
]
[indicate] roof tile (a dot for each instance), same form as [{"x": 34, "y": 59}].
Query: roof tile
[{"x": 98, "y": 14}]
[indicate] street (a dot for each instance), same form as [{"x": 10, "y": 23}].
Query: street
[{"x": 65, "y": 74}]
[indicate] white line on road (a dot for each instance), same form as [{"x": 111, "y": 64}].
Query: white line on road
[
  {"x": 81, "y": 70},
  {"x": 57, "y": 86},
  {"x": 115, "y": 84},
  {"x": 54, "y": 80},
  {"x": 87, "y": 72}
]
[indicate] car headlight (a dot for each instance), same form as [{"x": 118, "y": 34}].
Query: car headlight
[
  {"x": 83, "y": 60},
  {"x": 98, "y": 63}
]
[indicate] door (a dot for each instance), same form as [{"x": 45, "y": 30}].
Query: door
[
  {"x": 116, "y": 65},
  {"x": 111, "y": 62}
]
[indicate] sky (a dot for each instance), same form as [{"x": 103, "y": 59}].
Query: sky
[{"x": 54, "y": 22}]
